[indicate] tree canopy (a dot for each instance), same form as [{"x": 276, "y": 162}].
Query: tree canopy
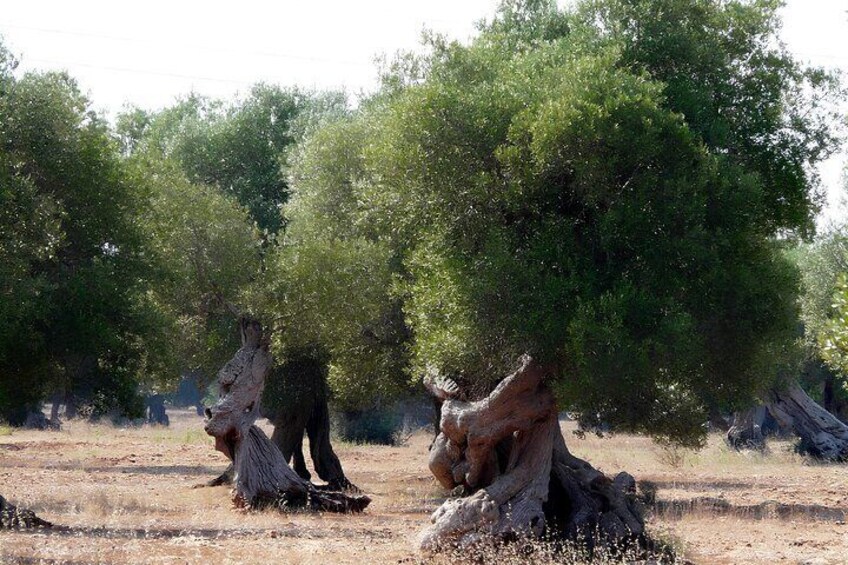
[
  {"x": 601, "y": 187},
  {"x": 72, "y": 299},
  {"x": 609, "y": 187}
]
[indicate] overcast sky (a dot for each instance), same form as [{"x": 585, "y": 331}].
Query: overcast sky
[{"x": 149, "y": 53}]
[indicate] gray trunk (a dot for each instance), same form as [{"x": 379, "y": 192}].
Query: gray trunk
[
  {"x": 507, "y": 456},
  {"x": 295, "y": 401},
  {"x": 746, "y": 432},
  {"x": 288, "y": 437},
  {"x": 822, "y": 434},
  {"x": 262, "y": 477}
]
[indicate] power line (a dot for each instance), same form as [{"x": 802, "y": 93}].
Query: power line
[
  {"x": 138, "y": 71},
  {"x": 193, "y": 46}
]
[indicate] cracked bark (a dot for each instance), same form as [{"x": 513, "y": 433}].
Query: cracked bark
[
  {"x": 506, "y": 452},
  {"x": 822, "y": 434},
  {"x": 261, "y": 475}
]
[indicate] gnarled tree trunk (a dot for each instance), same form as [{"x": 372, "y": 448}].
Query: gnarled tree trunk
[
  {"x": 261, "y": 475},
  {"x": 298, "y": 404},
  {"x": 155, "y": 408},
  {"x": 822, "y": 434},
  {"x": 746, "y": 432},
  {"x": 13, "y": 518},
  {"x": 507, "y": 455}
]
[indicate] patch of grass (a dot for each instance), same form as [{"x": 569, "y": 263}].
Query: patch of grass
[
  {"x": 6, "y": 430},
  {"x": 673, "y": 456},
  {"x": 186, "y": 436},
  {"x": 550, "y": 552}
]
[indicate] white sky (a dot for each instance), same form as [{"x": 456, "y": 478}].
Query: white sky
[{"x": 148, "y": 53}]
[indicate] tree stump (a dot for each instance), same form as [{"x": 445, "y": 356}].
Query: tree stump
[
  {"x": 261, "y": 475},
  {"x": 507, "y": 456},
  {"x": 14, "y": 518}
]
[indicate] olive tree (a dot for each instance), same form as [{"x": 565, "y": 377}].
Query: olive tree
[
  {"x": 588, "y": 201},
  {"x": 74, "y": 263}
]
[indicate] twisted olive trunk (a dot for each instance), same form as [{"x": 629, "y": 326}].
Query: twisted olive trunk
[
  {"x": 262, "y": 476},
  {"x": 506, "y": 453},
  {"x": 822, "y": 434},
  {"x": 746, "y": 432},
  {"x": 295, "y": 401}
]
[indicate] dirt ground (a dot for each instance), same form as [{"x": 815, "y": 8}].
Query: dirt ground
[{"x": 127, "y": 497}]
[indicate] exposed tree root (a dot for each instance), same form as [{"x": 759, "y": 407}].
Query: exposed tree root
[
  {"x": 822, "y": 434},
  {"x": 507, "y": 453}
]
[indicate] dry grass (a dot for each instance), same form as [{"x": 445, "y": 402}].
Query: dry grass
[{"x": 127, "y": 496}]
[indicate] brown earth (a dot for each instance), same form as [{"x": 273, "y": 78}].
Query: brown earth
[{"x": 126, "y": 496}]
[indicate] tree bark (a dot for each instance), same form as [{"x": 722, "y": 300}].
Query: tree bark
[
  {"x": 822, "y": 434},
  {"x": 156, "y": 414},
  {"x": 261, "y": 475},
  {"x": 14, "y": 518},
  {"x": 507, "y": 455},
  {"x": 56, "y": 400},
  {"x": 70, "y": 405},
  {"x": 746, "y": 432},
  {"x": 304, "y": 410}
]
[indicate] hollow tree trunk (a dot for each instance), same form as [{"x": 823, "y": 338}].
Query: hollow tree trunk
[
  {"x": 13, "y": 518},
  {"x": 507, "y": 455},
  {"x": 822, "y": 434},
  {"x": 261, "y": 475},
  {"x": 746, "y": 432}
]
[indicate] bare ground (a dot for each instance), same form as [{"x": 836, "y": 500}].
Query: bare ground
[{"x": 126, "y": 496}]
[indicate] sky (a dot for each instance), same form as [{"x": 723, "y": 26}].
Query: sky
[{"x": 149, "y": 53}]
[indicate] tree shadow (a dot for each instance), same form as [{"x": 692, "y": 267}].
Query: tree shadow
[
  {"x": 699, "y": 485},
  {"x": 284, "y": 531},
  {"x": 762, "y": 511}
]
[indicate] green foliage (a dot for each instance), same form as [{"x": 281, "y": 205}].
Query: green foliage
[
  {"x": 238, "y": 148},
  {"x": 295, "y": 385},
  {"x": 328, "y": 286},
  {"x": 207, "y": 250},
  {"x": 71, "y": 253},
  {"x": 724, "y": 69},
  {"x": 833, "y": 337},
  {"x": 215, "y": 169},
  {"x": 602, "y": 197},
  {"x": 821, "y": 264},
  {"x": 333, "y": 297}
]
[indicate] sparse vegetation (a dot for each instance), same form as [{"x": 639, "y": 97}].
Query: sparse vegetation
[
  {"x": 605, "y": 207},
  {"x": 126, "y": 494}
]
